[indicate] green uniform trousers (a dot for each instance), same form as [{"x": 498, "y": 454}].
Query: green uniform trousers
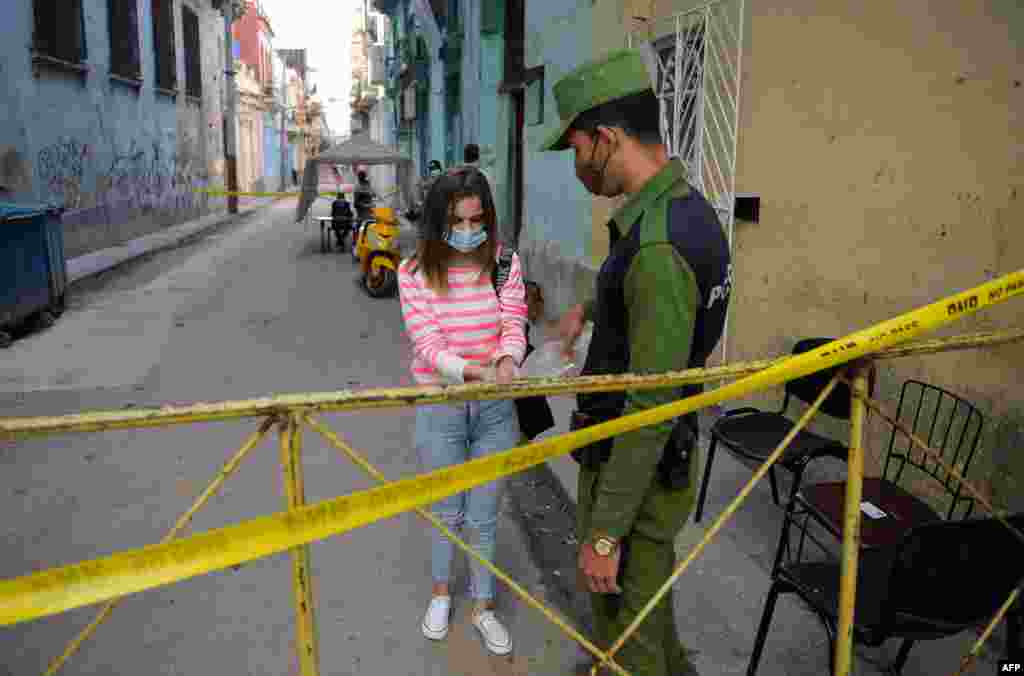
[{"x": 648, "y": 560}]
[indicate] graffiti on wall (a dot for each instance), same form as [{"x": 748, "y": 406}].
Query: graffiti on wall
[
  {"x": 61, "y": 167},
  {"x": 148, "y": 172},
  {"x": 147, "y": 175}
]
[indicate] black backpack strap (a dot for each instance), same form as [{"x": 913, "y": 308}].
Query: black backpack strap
[{"x": 500, "y": 273}]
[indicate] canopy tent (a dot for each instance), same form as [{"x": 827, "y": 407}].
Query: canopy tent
[{"x": 357, "y": 150}]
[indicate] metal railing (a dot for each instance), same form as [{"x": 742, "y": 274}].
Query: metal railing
[{"x": 110, "y": 578}]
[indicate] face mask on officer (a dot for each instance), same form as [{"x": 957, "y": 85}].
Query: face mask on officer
[{"x": 593, "y": 172}]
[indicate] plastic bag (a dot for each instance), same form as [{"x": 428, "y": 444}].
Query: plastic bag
[{"x": 548, "y": 361}]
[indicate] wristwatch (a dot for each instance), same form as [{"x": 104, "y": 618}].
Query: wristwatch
[{"x": 605, "y": 546}]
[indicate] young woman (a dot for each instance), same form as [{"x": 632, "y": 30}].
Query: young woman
[{"x": 462, "y": 330}]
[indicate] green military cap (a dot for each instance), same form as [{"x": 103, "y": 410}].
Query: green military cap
[{"x": 615, "y": 76}]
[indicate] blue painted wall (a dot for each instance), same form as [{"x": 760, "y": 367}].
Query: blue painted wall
[
  {"x": 118, "y": 158},
  {"x": 493, "y": 131},
  {"x": 557, "y": 207}
]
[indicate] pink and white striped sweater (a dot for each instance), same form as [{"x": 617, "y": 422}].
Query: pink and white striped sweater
[{"x": 469, "y": 324}]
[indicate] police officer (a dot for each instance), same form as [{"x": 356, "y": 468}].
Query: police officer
[{"x": 659, "y": 305}]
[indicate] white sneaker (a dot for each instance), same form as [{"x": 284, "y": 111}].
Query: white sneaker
[
  {"x": 493, "y": 632},
  {"x": 435, "y": 620}
]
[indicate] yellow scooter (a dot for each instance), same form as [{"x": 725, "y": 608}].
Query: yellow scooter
[{"x": 375, "y": 247}]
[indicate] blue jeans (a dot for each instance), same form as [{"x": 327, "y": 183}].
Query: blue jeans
[{"x": 452, "y": 434}]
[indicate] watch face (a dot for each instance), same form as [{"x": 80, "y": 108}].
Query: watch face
[{"x": 603, "y": 547}]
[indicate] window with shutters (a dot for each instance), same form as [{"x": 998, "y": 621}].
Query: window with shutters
[
  {"x": 59, "y": 30},
  {"x": 163, "y": 45},
  {"x": 124, "y": 38},
  {"x": 193, "y": 61}
]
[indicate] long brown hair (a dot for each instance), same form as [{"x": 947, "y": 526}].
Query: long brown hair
[{"x": 432, "y": 253}]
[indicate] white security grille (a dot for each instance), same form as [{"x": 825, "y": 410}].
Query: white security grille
[
  {"x": 699, "y": 56},
  {"x": 698, "y": 83}
]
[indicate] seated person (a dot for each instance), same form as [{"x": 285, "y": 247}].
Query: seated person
[{"x": 341, "y": 213}]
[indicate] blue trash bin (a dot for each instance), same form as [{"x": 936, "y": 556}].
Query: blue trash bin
[{"x": 33, "y": 270}]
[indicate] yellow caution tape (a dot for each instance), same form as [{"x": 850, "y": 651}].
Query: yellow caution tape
[
  {"x": 227, "y": 193},
  {"x": 67, "y": 587}
]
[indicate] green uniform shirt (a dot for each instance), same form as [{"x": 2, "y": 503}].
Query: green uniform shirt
[{"x": 662, "y": 299}]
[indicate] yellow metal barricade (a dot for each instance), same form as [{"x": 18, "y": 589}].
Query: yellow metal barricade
[{"x": 109, "y": 578}]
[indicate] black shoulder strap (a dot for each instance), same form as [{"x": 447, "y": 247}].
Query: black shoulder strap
[{"x": 501, "y": 271}]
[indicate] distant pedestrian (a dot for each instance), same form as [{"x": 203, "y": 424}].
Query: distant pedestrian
[
  {"x": 462, "y": 330},
  {"x": 471, "y": 158}
]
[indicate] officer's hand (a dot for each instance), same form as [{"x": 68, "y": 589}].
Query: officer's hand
[
  {"x": 599, "y": 572},
  {"x": 570, "y": 326}
]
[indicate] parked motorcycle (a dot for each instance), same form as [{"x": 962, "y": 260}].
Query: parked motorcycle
[{"x": 375, "y": 247}]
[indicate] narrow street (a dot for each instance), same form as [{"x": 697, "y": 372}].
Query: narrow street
[{"x": 251, "y": 309}]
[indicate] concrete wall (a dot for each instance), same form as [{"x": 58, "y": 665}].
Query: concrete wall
[
  {"x": 556, "y": 237},
  {"x": 381, "y": 126},
  {"x": 902, "y": 183},
  {"x": 492, "y": 129},
  {"x": 471, "y": 75},
  {"x": 122, "y": 160},
  {"x": 888, "y": 167},
  {"x": 482, "y": 59}
]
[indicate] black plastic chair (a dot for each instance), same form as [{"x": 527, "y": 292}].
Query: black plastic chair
[
  {"x": 941, "y": 578},
  {"x": 753, "y": 434},
  {"x": 952, "y": 427}
]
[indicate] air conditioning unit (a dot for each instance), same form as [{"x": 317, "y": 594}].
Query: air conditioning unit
[{"x": 375, "y": 65}]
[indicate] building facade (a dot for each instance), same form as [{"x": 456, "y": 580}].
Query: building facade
[
  {"x": 251, "y": 107},
  {"x": 442, "y": 67},
  {"x": 265, "y": 155},
  {"x": 882, "y": 182},
  {"x": 885, "y": 183},
  {"x": 304, "y": 110},
  {"x": 373, "y": 112},
  {"x": 115, "y": 115}
]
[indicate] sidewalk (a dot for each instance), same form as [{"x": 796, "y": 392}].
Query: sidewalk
[
  {"x": 720, "y": 598},
  {"x": 100, "y": 261}
]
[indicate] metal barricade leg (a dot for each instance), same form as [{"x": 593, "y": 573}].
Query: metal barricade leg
[
  {"x": 851, "y": 525},
  {"x": 295, "y": 494}
]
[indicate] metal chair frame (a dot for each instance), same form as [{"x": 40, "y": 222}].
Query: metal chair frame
[{"x": 798, "y": 507}]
